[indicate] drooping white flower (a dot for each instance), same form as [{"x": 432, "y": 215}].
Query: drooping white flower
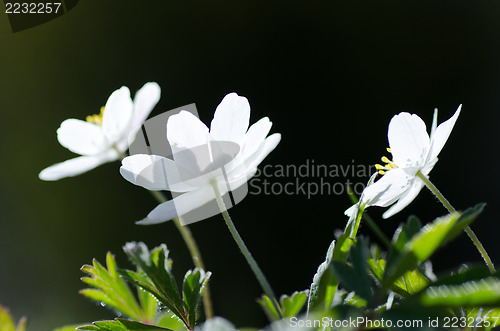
[
  {"x": 413, "y": 150},
  {"x": 100, "y": 137},
  {"x": 228, "y": 153}
]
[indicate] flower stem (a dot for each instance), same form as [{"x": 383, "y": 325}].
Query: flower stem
[
  {"x": 467, "y": 229},
  {"x": 246, "y": 253},
  {"x": 371, "y": 223},
  {"x": 378, "y": 232},
  {"x": 193, "y": 250}
]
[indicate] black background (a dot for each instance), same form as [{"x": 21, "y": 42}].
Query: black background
[{"x": 329, "y": 74}]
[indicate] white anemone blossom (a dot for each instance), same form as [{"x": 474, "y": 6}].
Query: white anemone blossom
[
  {"x": 413, "y": 150},
  {"x": 101, "y": 138},
  {"x": 226, "y": 154}
]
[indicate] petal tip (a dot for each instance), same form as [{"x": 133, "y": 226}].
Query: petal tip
[
  {"x": 150, "y": 221},
  {"x": 44, "y": 176},
  {"x": 145, "y": 221}
]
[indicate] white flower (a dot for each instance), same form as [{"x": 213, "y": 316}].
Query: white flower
[
  {"x": 100, "y": 137},
  {"x": 200, "y": 154},
  {"x": 412, "y": 150}
]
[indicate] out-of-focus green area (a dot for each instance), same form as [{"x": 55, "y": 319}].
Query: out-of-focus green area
[{"x": 329, "y": 75}]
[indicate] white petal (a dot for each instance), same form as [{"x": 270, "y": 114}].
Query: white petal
[
  {"x": 76, "y": 166},
  {"x": 235, "y": 182},
  {"x": 185, "y": 130},
  {"x": 144, "y": 101},
  {"x": 387, "y": 189},
  {"x": 256, "y": 135},
  {"x": 266, "y": 147},
  {"x": 408, "y": 140},
  {"x": 429, "y": 166},
  {"x": 231, "y": 119},
  {"x": 245, "y": 168},
  {"x": 117, "y": 115},
  {"x": 241, "y": 166},
  {"x": 405, "y": 198},
  {"x": 351, "y": 210},
  {"x": 441, "y": 134},
  {"x": 153, "y": 173},
  {"x": 179, "y": 206},
  {"x": 81, "y": 137}
]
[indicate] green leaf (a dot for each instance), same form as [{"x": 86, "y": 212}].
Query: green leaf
[
  {"x": 156, "y": 278},
  {"x": 413, "y": 281},
  {"x": 355, "y": 278},
  {"x": 419, "y": 248},
  {"x": 193, "y": 286},
  {"x": 133, "y": 325},
  {"x": 465, "y": 219},
  {"x": 148, "y": 302},
  {"x": 111, "y": 290},
  {"x": 160, "y": 281},
  {"x": 352, "y": 299},
  {"x": 268, "y": 308},
  {"x": 171, "y": 321},
  {"x": 7, "y": 322},
  {"x": 377, "y": 268},
  {"x": 324, "y": 283},
  {"x": 483, "y": 292},
  {"x": 292, "y": 305},
  {"x": 405, "y": 232},
  {"x": 344, "y": 241},
  {"x": 402, "y": 236},
  {"x": 121, "y": 325},
  {"x": 469, "y": 287},
  {"x": 289, "y": 305}
]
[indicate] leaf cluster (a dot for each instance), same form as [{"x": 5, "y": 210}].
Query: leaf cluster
[{"x": 157, "y": 300}]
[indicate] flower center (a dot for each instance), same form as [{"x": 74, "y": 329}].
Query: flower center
[
  {"x": 96, "y": 118},
  {"x": 389, "y": 164}
]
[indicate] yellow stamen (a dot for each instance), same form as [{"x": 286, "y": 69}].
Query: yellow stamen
[
  {"x": 382, "y": 169},
  {"x": 96, "y": 118}
]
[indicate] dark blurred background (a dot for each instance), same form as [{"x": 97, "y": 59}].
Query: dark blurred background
[{"x": 329, "y": 74}]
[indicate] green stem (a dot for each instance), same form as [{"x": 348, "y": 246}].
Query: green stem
[
  {"x": 378, "y": 232},
  {"x": 193, "y": 250},
  {"x": 371, "y": 223},
  {"x": 246, "y": 253},
  {"x": 436, "y": 192},
  {"x": 355, "y": 228},
  {"x": 120, "y": 154},
  {"x": 467, "y": 229}
]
